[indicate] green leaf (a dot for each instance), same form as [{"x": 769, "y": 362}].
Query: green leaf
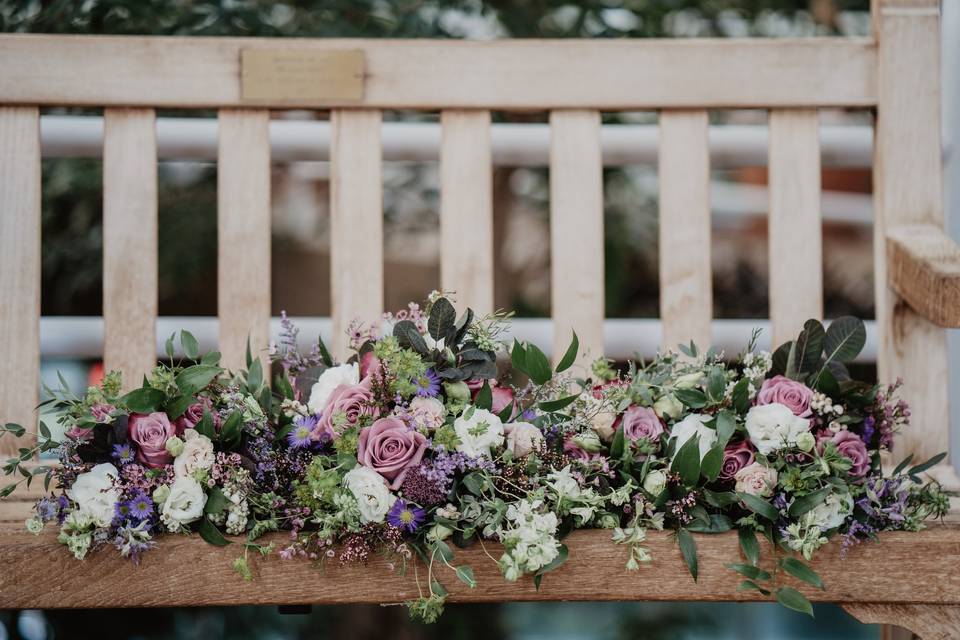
[
  {"x": 143, "y": 400},
  {"x": 716, "y": 383},
  {"x": 749, "y": 545},
  {"x": 191, "y": 348},
  {"x": 688, "y": 549},
  {"x": 205, "y": 426},
  {"x": 749, "y": 571},
  {"x": 216, "y": 502},
  {"x": 719, "y": 499},
  {"x": 810, "y": 346},
  {"x": 437, "y": 589},
  {"x": 805, "y": 503},
  {"x": 442, "y": 319},
  {"x": 195, "y": 378},
  {"x": 15, "y": 429},
  {"x": 248, "y": 358},
  {"x": 687, "y": 461},
  {"x": 538, "y": 367},
  {"x": 903, "y": 465},
  {"x": 211, "y": 357},
  {"x": 209, "y": 532},
  {"x": 711, "y": 463},
  {"x": 562, "y": 554},
  {"x": 230, "y": 431},
  {"x": 484, "y": 399},
  {"x": 741, "y": 396},
  {"x": 465, "y": 574},
  {"x": 443, "y": 550},
  {"x": 750, "y": 584},
  {"x": 799, "y": 570},
  {"x": 255, "y": 376},
  {"x": 692, "y": 398},
  {"x": 549, "y": 406},
  {"x": 923, "y": 466},
  {"x": 44, "y": 430},
  {"x": 793, "y": 599},
  {"x": 571, "y": 354},
  {"x": 759, "y": 506},
  {"x": 178, "y": 406},
  {"x": 518, "y": 357},
  {"x": 845, "y": 339},
  {"x": 475, "y": 483},
  {"x": 779, "y": 359},
  {"x": 408, "y": 336},
  {"x": 282, "y": 384},
  {"x": 726, "y": 425},
  {"x": 618, "y": 446},
  {"x": 791, "y": 371},
  {"x": 168, "y": 346},
  {"x": 324, "y": 353},
  {"x": 716, "y": 523}
]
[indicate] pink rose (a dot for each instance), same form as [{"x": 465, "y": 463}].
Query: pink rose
[
  {"x": 474, "y": 384},
  {"x": 639, "y": 423},
  {"x": 101, "y": 412},
  {"x": 150, "y": 433},
  {"x": 194, "y": 414},
  {"x": 790, "y": 393},
  {"x": 390, "y": 448},
  {"x": 79, "y": 434},
  {"x": 850, "y": 446},
  {"x": 502, "y": 397},
  {"x": 756, "y": 479},
  {"x": 370, "y": 365},
  {"x": 735, "y": 457},
  {"x": 348, "y": 402},
  {"x": 572, "y": 450}
]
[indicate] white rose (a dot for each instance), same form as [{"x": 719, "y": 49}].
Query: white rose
[
  {"x": 830, "y": 513},
  {"x": 692, "y": 425},
  {"x": 427, "y": 413},
  {"x": 330, "y": 380},
  {"x": 773, "y": 426},
  {"x": 373, "y": 496},
  {"x": 756, "y": 479},
  {"x": 667, "y": 407},
  {"x": 95, "y": 494},
  {"x": 478, "y": 432},
  {"x": 655, "y": 482},
  {"x": 523, "y": 438},
  {"x": 197, "y": 453},
  {"x": 184, "y": 503}
]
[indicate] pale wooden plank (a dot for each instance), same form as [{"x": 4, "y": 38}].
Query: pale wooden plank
[
  {"x": 918, "y": 568},
  {"x": 908, "y": 190},
  {"x": 686, "y": 290},
  {"x": 243, "y": 235},
  {"x": 466, "y": 209},
  {"x": 924, "y": 267},
  {"x": 576, "y": 233},
  {"x": 929, "y": 622},
  {"x": 19, "y": 271},
  {"x": 504, "y": 74},
  {"x": 356, "y": 222},
  {"x": 795, "y": 241},
  {"x": 129, "y": 242}
]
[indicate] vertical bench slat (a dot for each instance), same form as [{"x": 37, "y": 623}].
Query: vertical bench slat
[
  {"x": 795, "y": 239},
  {"x": 130, "y": 242},
  {"x": 243, "y": 234},
  {"x": 576, "y": 232},
  {"x": 356, "y": 221},
  {"x": 19, "y": 270},
  {"x": 466, "y": 208},
  {"x": 686, "y": 291},
  {"x": 908, "y": 189}
]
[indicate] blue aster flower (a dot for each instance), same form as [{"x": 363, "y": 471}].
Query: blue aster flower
[
  {"x": 428, "y": 385},
  {"x": 301, "y": 437},
  {"x": 406, "y": 516}
]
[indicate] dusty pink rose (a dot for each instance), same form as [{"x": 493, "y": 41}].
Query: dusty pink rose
[
  {"x": 639, "y": 423},
  {"x": 348, "y": 402},
  {"x": 790, "y": 393},
  {"x": 756, "y": 479},
  {"x": 390, "y": 448},
  {"x": 575, "y": 452},
  {"x": 850, "y": 446},
  {"x": 735, "y": 457},
  {"x": 79, "y": 434},
  {"x": 370, "y": 365},
  {"x": 502, "y": 397},
  {"x": 150, "y": 433},
  {"x": 194, "y": 414},
  {"x": 101, "y": 411}
]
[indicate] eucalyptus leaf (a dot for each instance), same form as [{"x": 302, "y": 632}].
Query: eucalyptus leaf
[
  {"x": 191, "y": 348},
  {"x": 688, "y": 549}
]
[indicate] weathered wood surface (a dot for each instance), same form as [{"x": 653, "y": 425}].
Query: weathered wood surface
[
  {"x": 506, "y": 74},
  {"x": 20, "y": 272},
  {"x": 917, "y": 568},
  {"x": 930, "y": 622},
  {"x": 924, "y": 267}
]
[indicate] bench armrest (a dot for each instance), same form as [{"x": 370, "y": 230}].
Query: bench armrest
[{"x": 924, "y": 269}]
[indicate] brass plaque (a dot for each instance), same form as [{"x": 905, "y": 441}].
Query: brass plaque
[{"x": 295, "y": 77}]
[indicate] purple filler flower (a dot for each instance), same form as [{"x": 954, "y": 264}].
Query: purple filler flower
[
  {"x": 428, "y": 385},
  {"x": 300, "y": 436},
  {"x": 406, "y": 516}
]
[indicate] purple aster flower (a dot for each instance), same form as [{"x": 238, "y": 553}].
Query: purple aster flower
[
  {"x": 428, "y": 385},
  {"x": 123, "y": 453},
  {"x": 406, "y": 516},
  {"x": 300, "y": 436},
  {"x": 140, "y": 506},
  {"x": 121, "y": 511}
]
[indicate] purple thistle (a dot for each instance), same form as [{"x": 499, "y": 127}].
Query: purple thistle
[
  {"x": 123, "y": 453},
  {"x": 405, "y": 515},
  {"x": 301, "y": 435},
  {"x": 428, "y": 385}
]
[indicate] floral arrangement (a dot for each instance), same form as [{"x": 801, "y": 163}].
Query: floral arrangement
[{"x": 418, "y": 442}]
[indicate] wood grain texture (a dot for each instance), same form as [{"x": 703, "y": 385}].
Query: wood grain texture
[
  {"x": 466, "y": 208},
  {"x": 243, "y": 235},
  {"x": 924, "y": 267},
  {"x": 19, "y": 271},
  {"x": 796, "y": 237},
  {"x": 356, "y": 222},
  {"x": 908, "y": 190},
  {"x": 505, "y": 74},
  {"x": 40, "y": 573},
  {"x": 129, "y": 242},
  {"x": 576, "y": 233},
  {"x": 929, "y": 622},
  {"x": 686, "y": 288}
]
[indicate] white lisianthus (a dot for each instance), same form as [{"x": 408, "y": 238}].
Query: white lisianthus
[
  {"x": 529, "y": 538},
  {"x": 774, "y": 426},
  {"x": 756, "y": 479},
  {"x": 95, "y": 494},
  {"x": 373, "y": 496},
  {"x": 184, "y": 503},
  {"x": 667, "y": 406},
  {"x": 689, "y": 380},
  {"x": 692, "y": 425},
  {"x": 830, "y": 513},
  {"x": 330, "y": 380},
  {"x": 196, "y": 454},
  {"x": 655, "y": 482},
  {"x": 478, "y": 431},
  {"x": 523, "y": 438}
]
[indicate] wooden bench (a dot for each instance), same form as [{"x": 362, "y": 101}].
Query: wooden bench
[{"x": 907, "y": 579}]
